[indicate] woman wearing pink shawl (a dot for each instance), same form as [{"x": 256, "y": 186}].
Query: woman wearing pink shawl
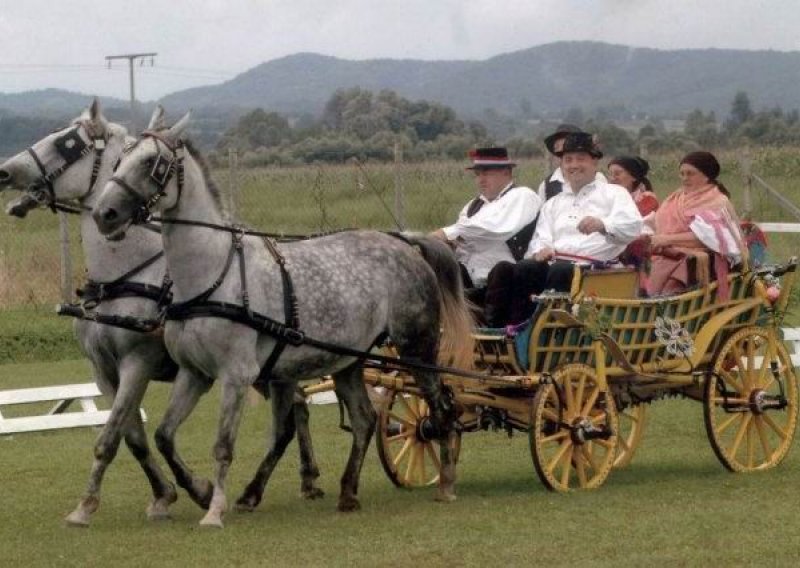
[{"x": 696, "y": 221}]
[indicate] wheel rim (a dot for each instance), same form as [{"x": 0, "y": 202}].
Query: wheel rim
[
  {"x": 632, "y": 421},
  {"x": 750, "y": 402},
  {"x": 565, "y": 453},
  {"x": 408, "y": 459}
]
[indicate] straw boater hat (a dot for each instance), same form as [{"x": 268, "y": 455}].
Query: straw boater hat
[
  {"x": 561, "y": 132},
  {"x": 490, "y": 158}
]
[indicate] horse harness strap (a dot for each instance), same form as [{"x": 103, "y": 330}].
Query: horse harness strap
[
  {"x": 71, "y": 147},
  {"x": 201, "y": 306},
  {"x": 95, "y": 292}
]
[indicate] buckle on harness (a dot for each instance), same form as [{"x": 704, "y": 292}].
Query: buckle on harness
[{"x": 294, "y": 337}]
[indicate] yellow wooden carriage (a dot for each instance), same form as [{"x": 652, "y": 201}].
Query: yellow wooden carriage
[{"x": 577, "y": 380}]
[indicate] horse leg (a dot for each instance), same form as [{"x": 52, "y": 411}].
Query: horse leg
[
  {"x": 234, "y": 389},
  {"x": 309, "y": 471},
  {"x": 186, "y": 392},
  {"x": 283, "y": 427},
  {"x": 164, "y": 493},
  {"x": 350, "y": 389},
  {"x": 128, "y": 395}
]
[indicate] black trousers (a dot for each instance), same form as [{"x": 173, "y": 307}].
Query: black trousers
[
  {"x": 493, "y": 301},
  {"x": 534, "y": 277}
]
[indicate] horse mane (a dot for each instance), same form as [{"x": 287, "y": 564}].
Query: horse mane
[{"x": 209, "y": 181}]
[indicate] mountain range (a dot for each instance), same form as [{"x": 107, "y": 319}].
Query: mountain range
[{"x": 546, "y": 80}]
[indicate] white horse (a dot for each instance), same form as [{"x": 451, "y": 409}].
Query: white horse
[
  {"x": 350, "y": 289},
  {"x": 66, "y": 167}
]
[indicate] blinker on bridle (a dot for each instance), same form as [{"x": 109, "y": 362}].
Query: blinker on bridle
[
  {"x": 70, "y": 147},
  {"x": 161, "y": 173}
]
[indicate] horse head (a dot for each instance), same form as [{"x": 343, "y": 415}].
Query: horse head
[
  {"x": 64, "y": 165},
  {"x": 144, "y": 180}
]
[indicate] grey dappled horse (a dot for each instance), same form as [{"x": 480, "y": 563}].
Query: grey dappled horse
[
  {"x": 352, "y": 288},
  {"x": 124, "y": 361}
]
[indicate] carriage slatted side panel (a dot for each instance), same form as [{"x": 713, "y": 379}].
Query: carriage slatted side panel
[{"x": 633, "y": 327}]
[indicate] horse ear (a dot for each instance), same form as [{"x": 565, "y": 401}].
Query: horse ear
[
  {"x": 157, "y": 120},
  {"x": 94, "y": 109},
  {"x": 176, "y": 130},
  {"x": 95, "y": 116}
]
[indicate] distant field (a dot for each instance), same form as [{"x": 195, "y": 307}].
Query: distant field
[
  {"x": 311, "y": 198},
  {"x": 674, "y": 506}
]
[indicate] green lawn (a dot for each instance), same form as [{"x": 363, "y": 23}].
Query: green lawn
[{"x": 674, "y": 506}]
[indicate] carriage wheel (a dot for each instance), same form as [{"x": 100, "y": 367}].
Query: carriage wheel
[
  {"x": 573, "y": 431},
  {"x": 409, "y": 458},
  {"x": 632, "y": 422},
  {"x": 750, "y": 402}
]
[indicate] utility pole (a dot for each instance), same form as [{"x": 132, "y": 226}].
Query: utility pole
[{"x": 131, "y": 57}]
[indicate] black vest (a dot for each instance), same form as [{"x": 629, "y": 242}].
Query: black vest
[
  {"x": 552, "y": 187},
  {"x": 517, "y": 244}
]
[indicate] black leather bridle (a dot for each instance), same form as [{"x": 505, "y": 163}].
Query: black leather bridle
[{"x": 71, "y": 147}]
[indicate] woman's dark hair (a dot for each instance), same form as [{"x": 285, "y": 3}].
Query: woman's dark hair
[
  {"x": 706, "y": 163},
  {"x": 637, "y": 166}
]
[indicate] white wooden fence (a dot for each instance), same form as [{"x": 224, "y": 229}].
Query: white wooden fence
[{"x": 56, "y": 418}]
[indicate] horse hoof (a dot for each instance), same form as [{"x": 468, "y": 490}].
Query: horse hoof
[
  {"x": 77, "y": 518},
  {"x": 213, "y": 521},
  {"x": 245, "y": 505},
  {"x": 348, "y": 505},
  {"x": 445, "y": 497},
  {"x": 313, "y": 493},
  {"x": 158, "y": 510},
  {"x": 202, "y": 492}
]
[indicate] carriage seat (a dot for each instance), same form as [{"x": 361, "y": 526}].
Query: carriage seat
[{"x": 616, "y": 283}]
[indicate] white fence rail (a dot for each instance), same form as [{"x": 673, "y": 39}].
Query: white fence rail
[{"x": 56, "y": 418}]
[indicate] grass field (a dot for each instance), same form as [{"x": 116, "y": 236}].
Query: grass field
[{"x": 674, "y": 506}]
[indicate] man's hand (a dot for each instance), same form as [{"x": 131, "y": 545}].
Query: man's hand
[
  {"x": 440, "y": 234},
  {"x": 544, "y": 254},
  {"x": 589, "y": 225}
]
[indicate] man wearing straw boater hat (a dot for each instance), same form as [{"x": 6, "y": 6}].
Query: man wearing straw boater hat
[
  {"x": 589, "y": 222},
  {"x": 552, "y": 184},
  {"x": 492, "y": 232}
]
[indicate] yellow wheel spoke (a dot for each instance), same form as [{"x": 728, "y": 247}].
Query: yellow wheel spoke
[
  {"x": 558, "y": 457},
  {"x": 751, "y": 444},
  {"x": 569, "y": 400},
  {"x": 400, "y": 436},
  {"x": 590, "y": 401},
  {"x": 740, "y": 434},
  {"x": 630, "y": 416},
  {"x": 605, "y": 443},
  {"x": 434, "y": 458},
  {"x": 551, "y": 415},
  {"x": 762, "y": 436},
  {"x": 555, "y": 437},
  {"x": 587, "y": 453},
  {"x": 410, "y": 421},
  {"x": 423, "y": 478},
  {"x": 730, "y": 381},
  {"x": 724, "y": 426},
  {"x": 580, "y": 467},
  {"x": 762, "y": 372},
  {"x": 778, "y": 430},
  {"x": 581, "y": 388},
  {"x": 411, "y": 465},
  {"x": 624, "y": 444},
  {"x": 403, "y": 451},
  {"x": 404, "y": 401},
  {"x": 567, "y": 467}
]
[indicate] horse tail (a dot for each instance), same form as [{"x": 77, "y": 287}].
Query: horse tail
[{"x": 456, "y": 346}]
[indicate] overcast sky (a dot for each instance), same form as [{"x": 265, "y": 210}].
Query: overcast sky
[{"x": 63, "y": 43}]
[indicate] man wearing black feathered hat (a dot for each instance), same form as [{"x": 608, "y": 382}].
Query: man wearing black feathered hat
[
  {"x": 552, "y": 184},
  {"x": 492, "y": 232}
]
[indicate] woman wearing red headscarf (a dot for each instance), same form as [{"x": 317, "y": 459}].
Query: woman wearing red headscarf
[{"x": 696, "y": 221}]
